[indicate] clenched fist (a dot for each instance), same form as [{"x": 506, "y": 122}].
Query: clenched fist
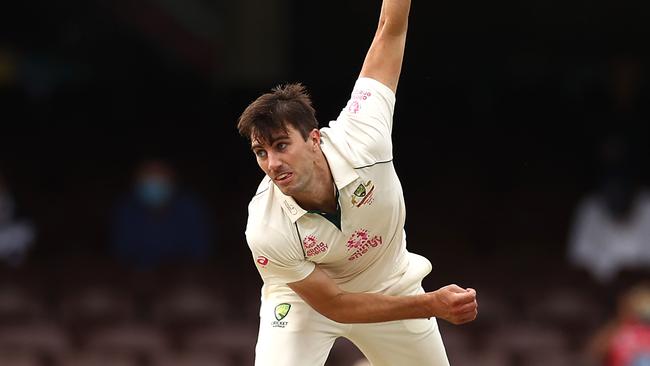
[{"x": 454, "y": 304}]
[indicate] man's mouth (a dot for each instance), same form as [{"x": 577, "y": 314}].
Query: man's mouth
[{"x": 283, "y": 176}]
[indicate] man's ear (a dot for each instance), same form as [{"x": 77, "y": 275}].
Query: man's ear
[{"x": 314, "y": 136}]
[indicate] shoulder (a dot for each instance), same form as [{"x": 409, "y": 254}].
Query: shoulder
[
  {"x": 267, "y": 222},
  {"x": 262, "y": 199},
  {"x": 362, "y": 131},
  {"x": 370, "y": 98},
  {"x": 369, "y": 85},
  {"x": 262, "y": 189},
  {"x": 274, "y": 238}
]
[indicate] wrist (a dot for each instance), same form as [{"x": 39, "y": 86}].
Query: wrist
[{"x": 428, "y": 305}]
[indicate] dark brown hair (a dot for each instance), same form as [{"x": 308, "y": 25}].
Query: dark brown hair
[{"x": 270, "y": 113}]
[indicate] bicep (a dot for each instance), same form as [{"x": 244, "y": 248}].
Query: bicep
[{"x": 319, "y": 291}]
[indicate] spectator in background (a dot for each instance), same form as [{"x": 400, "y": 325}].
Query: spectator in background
[
  {"x": 611, "y": 229},
  {"x": 625, "y": 341},
  {"x": 16, "y": 236},
  {"x": 158, "y": 223}
]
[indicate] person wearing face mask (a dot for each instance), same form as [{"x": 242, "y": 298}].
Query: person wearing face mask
[
  {"x": 158, "y": 223},
  {"x": 16, "y": 236}
]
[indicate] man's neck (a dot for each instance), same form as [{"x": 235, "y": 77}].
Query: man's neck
[{"x": 322, "y": 196}]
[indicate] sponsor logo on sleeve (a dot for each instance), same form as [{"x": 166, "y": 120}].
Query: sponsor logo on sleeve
[
  {"x": 356, "y": 101},
  {"x": 281, "y": 311}
]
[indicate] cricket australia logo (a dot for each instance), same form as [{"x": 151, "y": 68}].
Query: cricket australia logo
[
  {"x": 280, "y": 312},
  {"x": 312, "y": 247},
  {"x": 363, "y": 194},
  {"x": 361, "y": 242}
]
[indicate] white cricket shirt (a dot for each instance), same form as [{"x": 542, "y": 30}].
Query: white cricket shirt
[{"x": 368, "y": 253}]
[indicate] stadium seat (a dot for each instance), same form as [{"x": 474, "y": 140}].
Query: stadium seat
[
  {"x": 19, "y": 359},
  {"x": 133, "y": 339},
  {"x": 19, "y": 305},
  {"x": 44, "y": 338},
  {"x": 97, "y": 359},
  {"x": 193, "y": 359}
]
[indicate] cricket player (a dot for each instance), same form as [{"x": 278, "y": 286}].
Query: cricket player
[{"x": 326, "y": 226}]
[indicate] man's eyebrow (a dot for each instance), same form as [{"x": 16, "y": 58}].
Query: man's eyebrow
[{"x": 271, "y": 142}]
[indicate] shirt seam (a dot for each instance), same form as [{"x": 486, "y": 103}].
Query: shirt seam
[{"x": 376, "y": 163}]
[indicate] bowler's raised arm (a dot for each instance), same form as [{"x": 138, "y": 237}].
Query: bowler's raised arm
[{"x": 384, "y": 58}]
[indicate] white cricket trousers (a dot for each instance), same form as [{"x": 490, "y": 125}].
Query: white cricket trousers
[{"x": 293, "y": 334}]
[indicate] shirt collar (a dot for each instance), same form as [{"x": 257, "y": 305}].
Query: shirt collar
[
  {"x": 289, "y": 205},
  {"x": 342, "y": 172}
]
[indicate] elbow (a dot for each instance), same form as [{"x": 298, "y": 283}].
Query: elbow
[
  {"x": 388, "y": 28},
  {"x": 336, "y": 312}
]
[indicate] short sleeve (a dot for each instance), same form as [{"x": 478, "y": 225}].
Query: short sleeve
[
  {"x": 277, "y": 258},
  {"x": 367, "y": 119}
]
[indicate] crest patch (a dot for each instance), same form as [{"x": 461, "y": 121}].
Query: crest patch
[{"x": 363, "y": 194}]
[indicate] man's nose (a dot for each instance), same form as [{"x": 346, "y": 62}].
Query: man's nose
[{"x": 274, "y": 161}]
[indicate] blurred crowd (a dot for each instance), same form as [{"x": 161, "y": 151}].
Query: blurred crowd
[
  {"x": 160, "y": 298},
  {"x": 164, "y": 288},
  {"x": 159, "y": 295}
]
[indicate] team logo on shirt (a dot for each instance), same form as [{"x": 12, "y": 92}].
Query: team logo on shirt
[
  {"x": 363, "y": 194},
  {"x": 312, "y": 247},
  {"x": 280, "y": 312},
  {"x": 361, "y": 242}
]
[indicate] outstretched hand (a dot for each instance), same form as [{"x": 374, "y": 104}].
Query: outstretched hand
[{"x": 455, "y": 304}]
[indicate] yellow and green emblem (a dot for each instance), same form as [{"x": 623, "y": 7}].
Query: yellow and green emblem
[{"x": 281, "y": 311}]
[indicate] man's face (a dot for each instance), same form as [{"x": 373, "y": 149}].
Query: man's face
[{"x": 288, "y": 159}]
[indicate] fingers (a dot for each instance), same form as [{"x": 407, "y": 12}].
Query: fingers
[
  {"x": 462, "y": 304},
  {"x": 464, "y": 298},
  {"x": 466, "y": 307},
  {"x": 457, "y": 289},
  {"x": 454, "y": 288},
  {"x": 469, "y": 309},
  {"x": 465, "y": 314}
]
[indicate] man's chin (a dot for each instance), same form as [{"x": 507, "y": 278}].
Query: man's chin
[{"x": 286, "y": 190}]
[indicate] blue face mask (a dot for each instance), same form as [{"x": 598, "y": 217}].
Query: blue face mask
[{"x": 154, "y": 192}]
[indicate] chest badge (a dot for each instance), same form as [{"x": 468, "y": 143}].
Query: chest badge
[
  {"x": 313, "y": 247},
  {"x": 363, "y": 194},
  {"x": 282, "y": 311}
]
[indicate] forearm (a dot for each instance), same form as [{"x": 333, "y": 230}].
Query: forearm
[
  {"x": 451, "y": 302},
  {"x": 384, "y": 58},
  {"x": 372, "y": 307},
  {"x": 393, "y": 20}
]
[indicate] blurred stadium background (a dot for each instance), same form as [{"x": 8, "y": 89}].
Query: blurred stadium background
[{"x": 502, "y": 111}]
